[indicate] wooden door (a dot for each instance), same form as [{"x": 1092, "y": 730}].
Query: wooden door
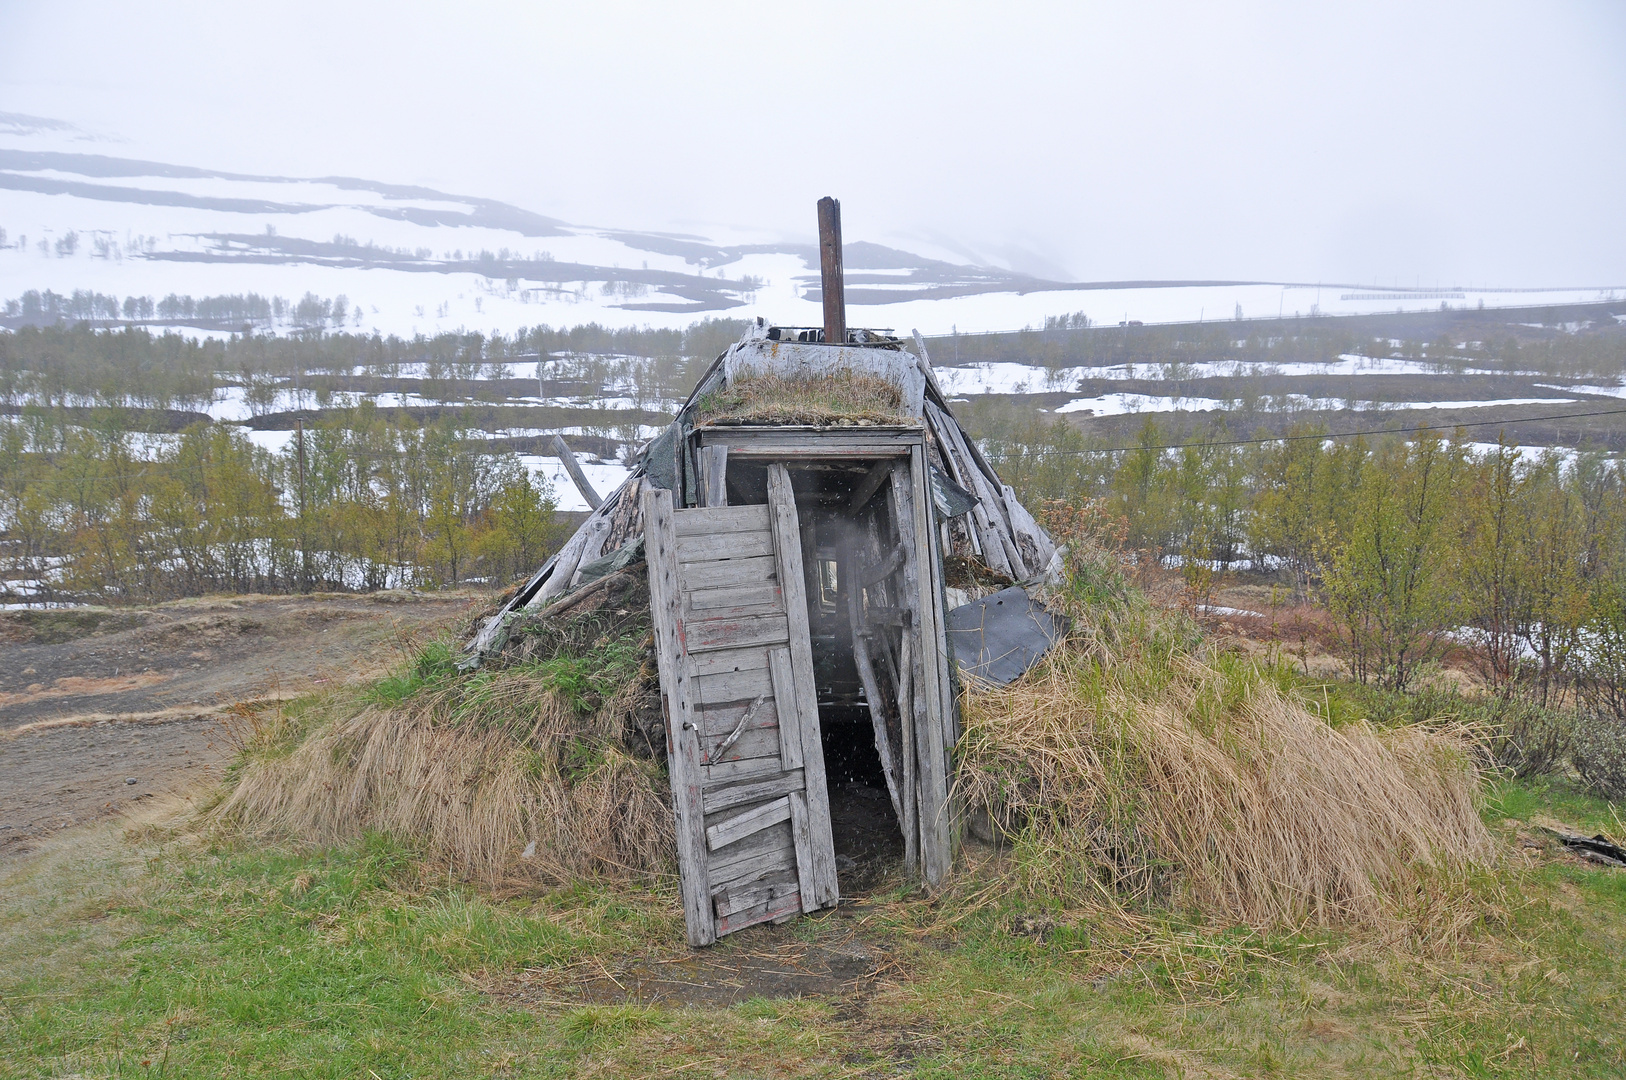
[{"x": 742, "y": 718}]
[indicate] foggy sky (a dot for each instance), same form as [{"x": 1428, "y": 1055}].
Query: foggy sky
[{"x": 1405, "y": 143}]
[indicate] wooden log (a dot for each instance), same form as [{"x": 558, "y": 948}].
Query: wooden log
[
  {"x": 682, "y": 722},
  {"x": 831, "y": 277},
  {"x": 909, "y": 821},
  {"x": 787, "y": 548},
  {"x": 579, "y": 478}
]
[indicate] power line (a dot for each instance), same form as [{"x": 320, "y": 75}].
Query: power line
[{"x": 1341, "y": 434}]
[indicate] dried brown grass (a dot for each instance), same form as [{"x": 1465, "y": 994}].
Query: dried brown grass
[
  {"x": 1153, "y": 774},
  {"x": 844, "y": 397},
  {"x": 498, "y": 778}
]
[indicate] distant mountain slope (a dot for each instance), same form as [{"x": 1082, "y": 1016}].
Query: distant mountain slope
[{"x": 125, "y": 234}]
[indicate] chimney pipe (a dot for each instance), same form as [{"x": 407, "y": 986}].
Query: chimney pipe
[{"x": 830, "y": 273}]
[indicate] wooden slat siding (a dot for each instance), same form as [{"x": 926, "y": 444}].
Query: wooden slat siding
[
  {"x": 787, "y": 547},
  {"x": 729, "y": 687},
  {"x": 714, "y": 664},
  {"x": 801, "y": 831},
  {"x": 935, "y": 841},
  {"x": 707, "y": 635},
  {"x": 753, "y": 858},
  {"x": 728, "y": 902},
  {"x": 774, "y": 911},
  {"x": 725, "y": 519},
  {"x": 735, "y": 772},
  {"x": 714, "y": 575},
  {"x": 714, "y": 475},
  {"x": 682, "y": 730},
  {"x": 748, "y": 822},
  {"x": 713, "y": 546},
  {"x": 790, "y": 718},
  {"x": 719, "y": 799}
]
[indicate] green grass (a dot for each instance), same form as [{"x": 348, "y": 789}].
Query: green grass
[{"x": 151, "y": 955}]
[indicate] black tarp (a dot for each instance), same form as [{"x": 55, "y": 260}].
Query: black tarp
[{"x": 1000, "y": 636}]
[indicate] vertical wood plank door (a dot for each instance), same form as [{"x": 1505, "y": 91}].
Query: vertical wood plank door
[{"x": 742, "y": 720}]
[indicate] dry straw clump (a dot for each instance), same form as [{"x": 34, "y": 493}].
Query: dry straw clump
[
  {"x": 845, "y": 397},
  {"x": 1134, "y": 767},
  {"x": 506, "y": 776}
]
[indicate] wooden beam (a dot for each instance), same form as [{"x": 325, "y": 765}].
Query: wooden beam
[
  {"x": 831, "y": 277},
  {"x": 575, "y": 470},
  {"x": 870, "y": 484}
]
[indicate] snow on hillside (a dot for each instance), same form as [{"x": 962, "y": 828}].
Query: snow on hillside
[{"x": 409, "y": 260}]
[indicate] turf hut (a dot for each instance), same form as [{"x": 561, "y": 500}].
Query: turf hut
[{"x": 818, "y": 536}]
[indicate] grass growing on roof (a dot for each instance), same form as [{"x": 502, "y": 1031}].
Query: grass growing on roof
[{"x": 844, "y": 397}]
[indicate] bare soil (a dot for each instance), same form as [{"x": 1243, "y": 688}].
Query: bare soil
[
  {"x": 828, "y": 955},
  {"x": 101, "y": 709}
]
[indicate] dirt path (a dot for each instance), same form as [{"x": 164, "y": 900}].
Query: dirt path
[{"x": 101, "y": 709}]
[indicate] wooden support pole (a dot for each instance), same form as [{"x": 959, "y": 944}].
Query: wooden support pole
[
  {"x": 832, "y": 281},
  {"x": 575, "y": 470},
  {"x": 872, "y": 694},
  {"x": 714, "y": 475}
]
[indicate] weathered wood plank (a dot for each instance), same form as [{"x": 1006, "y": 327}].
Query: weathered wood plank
[
  {"x": 728, "y": 572},
  {"x": 577, "y": 477},
  {"x": 759, "y": 599},
  {"x": 754, "y": 742},
  {"x": 714, "y": 475},
  {"x": 719, "y": 663},
  {"x": 787, "y": 547},
  {"x": 712, "y": 547},
  {"x": 930, "y": 754},
  {"x": 737, "y": 772},
  {"x": 682, "y": 728},
  {"x": 729, "y": 687},
  {"x": 720, "y": 799},
  {"x": 710, "y": 520},
  {"x": 801, "y": 834},
  {"x": 748, "y": 822},
  {"x": 762, "y": 853},
  {"x": 707, "y": 635},
  {"x": 773, "y": 910},
  {"x": 729, "y": 901},
  {"x": 787, "y": 712}
]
